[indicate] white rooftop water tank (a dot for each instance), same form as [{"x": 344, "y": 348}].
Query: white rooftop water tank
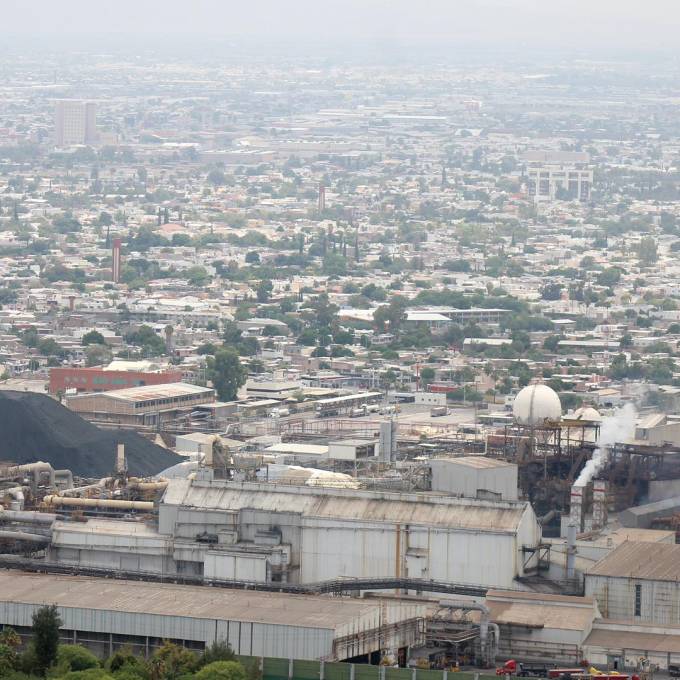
[{"x": 535, "y": 404}]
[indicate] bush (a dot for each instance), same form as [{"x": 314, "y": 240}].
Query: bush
[
  {"x": 219, "y": 651},
  {"x": 222, "y": 670},
  {"x": 76, "y": 657},
  {"x": 89, "y": 674}
]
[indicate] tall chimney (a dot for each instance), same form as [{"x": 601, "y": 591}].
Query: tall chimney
[
  {"x": 599, "y": 503},
  {"x": 120, "y": 459},
  {"x": 576, "y": 505},
  {"x": 115, "y": 260},
  {"x": 322, "y": 198},
  {"x": 571, "y": 550}
]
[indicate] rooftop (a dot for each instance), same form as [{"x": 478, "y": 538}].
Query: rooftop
[
  {"x": 197, "y": 602},
  {"x": 354, "y": 506},
  {"x": 149, "y": 392},
  {"x": 631, "y": 559},
  {"x": 541, "y": 610},
  {"x": 475, "y": 462}
]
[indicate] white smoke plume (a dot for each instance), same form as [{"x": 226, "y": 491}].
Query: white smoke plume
[{"x": 619, "y": 427}]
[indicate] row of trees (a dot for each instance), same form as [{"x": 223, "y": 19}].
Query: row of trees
[{"x": 45, "y": 657}]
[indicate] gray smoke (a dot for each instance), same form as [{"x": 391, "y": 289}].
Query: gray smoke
[{"x": 619, "y": 427}]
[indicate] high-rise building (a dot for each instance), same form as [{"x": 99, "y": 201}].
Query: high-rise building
[
  {"x": 74, "y": 122},
  {"x": 551, "y": 175},
  {"x": 115, "y": 260}
]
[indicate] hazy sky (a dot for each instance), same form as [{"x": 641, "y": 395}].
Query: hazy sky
[{"x": 507, "y": 23}]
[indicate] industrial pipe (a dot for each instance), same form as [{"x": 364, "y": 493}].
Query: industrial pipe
[
  {"x": 33, "y": 469},
  {"x": 77, "y": 490},
  {"x": 17, "y": 493},
  {"x": 483, "y": 624},
  {"x": 571, "y": 550},
  {"x": 24, "y": 536},
  {"x": 27, "y": 516},
  {"x": 64, "y": 473},
  {"x": 148, "y": 486},
  {"x": 98, "y": 503}
]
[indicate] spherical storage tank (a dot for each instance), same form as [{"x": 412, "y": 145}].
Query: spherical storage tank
[{"x": 535, "y": 404}]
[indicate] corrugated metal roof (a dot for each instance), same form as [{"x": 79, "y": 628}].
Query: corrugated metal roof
[
  {"x": 475, "y": 462},
  {"x": 534, "y": 609},
  {"x": 637, "y": 560},
  {"x": 139, "y": 597},
  {"x": 633, "y": 641},
  {"x": 351, "y": 505},
  {"x": 146, "y": 392}
]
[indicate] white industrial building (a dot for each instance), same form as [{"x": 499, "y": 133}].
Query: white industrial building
[
  {"x": 542, "y": 626},
  {"x": 105, "y": 614},
  {"x": 300, "y": 534},
  {"x": 634, "y": 583},
  {"x": 637, "y": 588},
  {"x": 475, "y": 477}
]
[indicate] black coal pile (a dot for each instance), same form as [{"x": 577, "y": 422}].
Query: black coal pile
[{"x": 35, "y": 427}]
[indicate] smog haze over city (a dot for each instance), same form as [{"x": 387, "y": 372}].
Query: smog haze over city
[{"x": 339, "y": 340}]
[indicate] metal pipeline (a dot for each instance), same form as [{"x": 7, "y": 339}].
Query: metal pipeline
[
  {"x": 17, "y": 493},
  {"x": 484, "y": 624},
  {"x": 98, "y": 503},
  {"x": 77, "y": 490},
  {"x": 58, "y": 474},
  {"x": 27, "y": 516},
  {"x": 148, "y": 486},
  {"x": 24, "y": 536},
  {"x": 33, "y": 469}
]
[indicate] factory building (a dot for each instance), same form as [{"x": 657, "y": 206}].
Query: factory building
[
  {"x": 542, "y": 626},
  {"x": 635, "y": 584},
  {"x": 105, "y": 614},
  {"x": 300, "y": 534},
  {"x": 475, "y": 477},
  {"x": 146, "y": 405}
]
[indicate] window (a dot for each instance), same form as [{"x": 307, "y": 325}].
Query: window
[{"x": 638, "y": 600}]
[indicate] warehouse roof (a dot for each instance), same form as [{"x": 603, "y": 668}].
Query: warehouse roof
[
  {"x": 541, "y": 610},
  {"x": 476, "y": 462},
  {"x": 354, "y": 505},
  {"x": 632, "y": 559},
  {"x": 635, "y": 640},
  {"x": 137, "y": 597},
  {"x": 150, "y": 392}
]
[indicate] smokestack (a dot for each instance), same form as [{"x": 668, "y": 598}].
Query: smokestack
[
  {"x": 599, "y": 503},
  {"x": 120, "y": 459},
  {"x": 115, "y": 260},
  {"x": 208, "y": 457},
  {"x": 322, "y": 198},
  {"x": 576, "y": 506},
  {"x": 169, "y": 330},
  {"x": 71, "y": 303},
  {"x": 571, "y": 550}
]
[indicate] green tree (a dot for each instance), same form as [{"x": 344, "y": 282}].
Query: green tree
[
  {"x": 45, "y": 628},
  {"x": 426, "y": 376},
  {"x": 93, "y": 338},
  {"x": 647, "y": 251},
  {"x": 264, "y": 290},
  {"x": 220, "y": 650},
  {"x": 551, "y": 343},
  {"x": 227, "y": 373},
  {"x": 171, "y": 661},
  {"x": 76, "y": 658},
  {"x": 97, "y": 355},
  {"x": 252, "y": 257},
  {"x": 609, "y": 276},
  {"x": 222, "y": 670}
]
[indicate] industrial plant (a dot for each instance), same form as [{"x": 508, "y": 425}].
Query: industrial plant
[{"x": 436, "y": 545}]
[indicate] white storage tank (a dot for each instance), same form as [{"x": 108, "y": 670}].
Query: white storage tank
[{"x": 536, "y": 404}]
